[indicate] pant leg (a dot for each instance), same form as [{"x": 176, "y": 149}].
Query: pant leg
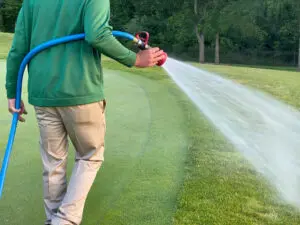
[
  {"x": 53, "y": 149},
  {"x": 86, "y": 127}
]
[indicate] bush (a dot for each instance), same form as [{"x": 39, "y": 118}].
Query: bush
[{"x": 9, "y": 13}]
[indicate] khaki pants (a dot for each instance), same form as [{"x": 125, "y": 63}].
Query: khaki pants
[{"x": 85, "y": 125}]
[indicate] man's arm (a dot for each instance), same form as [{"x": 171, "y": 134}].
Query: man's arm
[
  {"x": 99, "y": 33},
  {"x": 18, "y": 51}
]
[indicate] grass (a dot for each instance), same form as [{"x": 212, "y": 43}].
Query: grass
[
  {"x": 5, "y": 43},
  {"x": 281, "y": 68},
  {"x": 220, "y": 187},
  {"x": 165, "y": 163},
  {"x": 283, "y": 84},
  {"x": 140, "y": 179}
]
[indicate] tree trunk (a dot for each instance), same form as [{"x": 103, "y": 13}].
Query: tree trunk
[
  {"x": 217, "y": 49},
  {"x": 200, "y": 38},
  {"x": 299, "y": 55},
  {"x": 200, "y": 35},
  {"x": 1, "y": 19},
  {"x": 299, "y": 37},
  {"x": 1, "y": 16},
  {"x": 202, "y": 48},
  {"x": 1, "y": 22}
]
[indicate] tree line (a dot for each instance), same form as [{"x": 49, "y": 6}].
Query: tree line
[{"x": 263, "y": 32}]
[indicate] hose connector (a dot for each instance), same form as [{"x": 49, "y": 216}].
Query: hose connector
[{"x": 141, "y": 45}]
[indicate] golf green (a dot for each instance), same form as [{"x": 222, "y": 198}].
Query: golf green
[{"x": 144, "y": 158}]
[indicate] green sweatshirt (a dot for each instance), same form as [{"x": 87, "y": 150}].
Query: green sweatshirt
[{"x": 67, "y": 74}]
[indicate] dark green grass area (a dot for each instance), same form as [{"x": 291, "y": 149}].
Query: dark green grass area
[
  {"x": 220, "y": 186},
  {"x": 164, "y": 162}
]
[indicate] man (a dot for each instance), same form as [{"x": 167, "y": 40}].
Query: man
[{"x": 65, "y": 87}]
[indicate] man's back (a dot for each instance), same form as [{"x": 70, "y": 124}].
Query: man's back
[
  {"x": 47, "y": 20},
  {"x": 67, "y": 74}
]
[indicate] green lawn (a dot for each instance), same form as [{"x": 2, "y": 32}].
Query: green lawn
[
  {"x": 145, "y": 152},
  {"x": 165, "y": 163},
  {"x": 5, "y": 43},
  {"x": 283, "y": 84},
  {"x": 220, "y": 188}
]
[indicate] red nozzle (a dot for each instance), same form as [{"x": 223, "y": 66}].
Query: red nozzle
[{"x": 162, "y": 61}]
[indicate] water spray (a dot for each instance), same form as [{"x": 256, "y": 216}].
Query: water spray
[
  {"x": 263, "y": 129},
  {"x": 140, "y": 40}
]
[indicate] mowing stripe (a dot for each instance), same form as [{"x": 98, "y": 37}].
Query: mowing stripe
[{"x": 143, "y": 168}]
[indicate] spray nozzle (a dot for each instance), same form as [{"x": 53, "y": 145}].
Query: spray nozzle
[{"x": 142, "y": 43}]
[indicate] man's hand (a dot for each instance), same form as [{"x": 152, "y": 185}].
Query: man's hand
[
  {"x": 12, "y": 109},
  {"x": 149, "y": 57}
]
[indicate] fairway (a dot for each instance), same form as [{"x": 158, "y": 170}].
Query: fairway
[
  {"x": 283, "y": 83},
  {"x": 164, "y": 162},
  {"x": 208, "y": 136},
  {"x": 5, "y": 43},
  {"x": 145, "y": 149}
]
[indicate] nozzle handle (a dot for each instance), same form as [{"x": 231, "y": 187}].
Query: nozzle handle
[
  {"x": 142, "y": 43},
  {"x": 143, "y": 36}
]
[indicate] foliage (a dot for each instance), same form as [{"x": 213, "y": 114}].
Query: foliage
[
  {"x": 243, "y": 26},
  {"x": 261, "y": 26},
  {"x": 9, "y": 12}
]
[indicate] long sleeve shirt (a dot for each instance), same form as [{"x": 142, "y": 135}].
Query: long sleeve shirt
[{"x": 66, "y": 74}]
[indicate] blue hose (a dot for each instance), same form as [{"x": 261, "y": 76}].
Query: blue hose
[{"x": 24, "y": 63}]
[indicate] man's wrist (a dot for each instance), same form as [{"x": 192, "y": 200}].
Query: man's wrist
[
  {"x": 11, "y": 95},
  {"x": 132, "y": 59},
  {"x": 137, "y": 60}
]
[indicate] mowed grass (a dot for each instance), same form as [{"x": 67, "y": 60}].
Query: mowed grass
[
  {"x": 283, "y": 84},
  {"x": 164, "y": 163},
  {"x": 142, "y": 172},
  {"x": 220, "y": 187},
  {"x": 5, "y": 43}
]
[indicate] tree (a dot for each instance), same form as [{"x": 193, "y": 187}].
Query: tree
[
  {"x": 256, "y": 31},
  {"x": 200, "y": 12},
  {"x": 213, "y": 23},
  {"x": 296, "y": 6},
  {"x": 121, "y": 12},
  {"x": 286, "y": 13},
  {"x": 234, "y": 15},
  {"x": 1, "y": 16},
  {"x": 9, "y": 12}
]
